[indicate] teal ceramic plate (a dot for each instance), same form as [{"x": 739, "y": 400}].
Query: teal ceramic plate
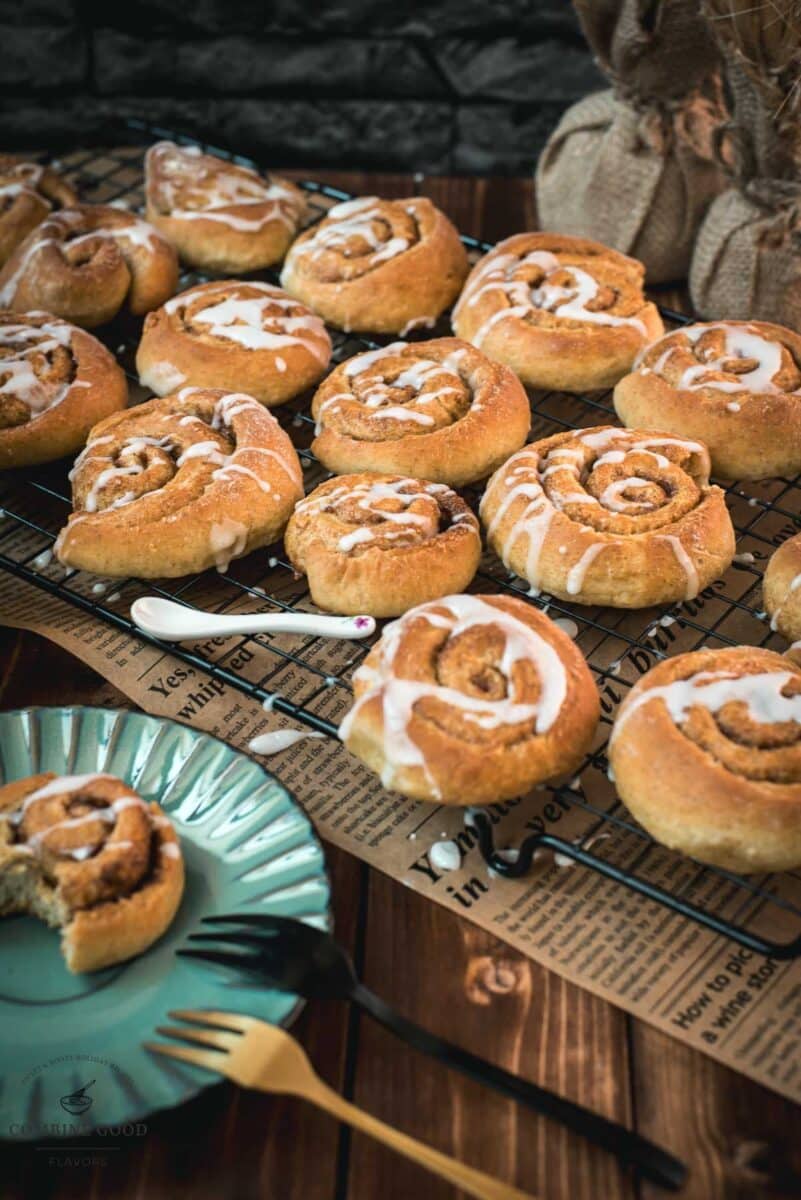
[{"x": 71, "y": 1046}]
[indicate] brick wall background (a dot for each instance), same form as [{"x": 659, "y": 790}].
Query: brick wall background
[{"x": 449, "y": 85}]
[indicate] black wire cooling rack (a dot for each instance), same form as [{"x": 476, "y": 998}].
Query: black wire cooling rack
[{"x": 308, "y": 678}]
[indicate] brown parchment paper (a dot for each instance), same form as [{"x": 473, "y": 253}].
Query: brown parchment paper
[{"x": 740, "y": 1008}]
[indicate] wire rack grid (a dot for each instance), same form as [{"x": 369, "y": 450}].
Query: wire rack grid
[{"x": 308, "y": 678}]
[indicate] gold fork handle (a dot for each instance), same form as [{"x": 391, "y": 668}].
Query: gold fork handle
[{"x": 475, "y": 1183}]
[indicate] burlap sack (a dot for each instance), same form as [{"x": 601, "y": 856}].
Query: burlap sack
[
  {"x": 747, "y": 259},
  {"x": 636, "y": 166}
]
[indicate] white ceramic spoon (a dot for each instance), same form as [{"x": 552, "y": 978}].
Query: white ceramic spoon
[{"x": 175, "y": 622}]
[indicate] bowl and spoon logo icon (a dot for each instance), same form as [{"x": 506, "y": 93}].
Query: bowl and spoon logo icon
[{"x": 77, "y": 1102}]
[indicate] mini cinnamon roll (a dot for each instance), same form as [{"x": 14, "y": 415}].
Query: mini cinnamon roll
[
  {"x": 380, "y": 544},
  {"x": 435, "y": 410},
  {"x": 180, "y": 484},
  {"x": 56, "y": 382},
  {"x": 470, "y": 700},
  {"x": 245, "y": 335},
  {"x": 610, "y": 516},
  {"x": 219, "y": 215},
  {"x": 86, "y": 263},
  {"x": 85, "y": 853},
  {"x": 564, "y": 313},
  {"x": 706, "y": 753},
  {"x": 736, "y": 385},
  {"x": 378, "y": 266},
  {"x": 28, "y": 193}
]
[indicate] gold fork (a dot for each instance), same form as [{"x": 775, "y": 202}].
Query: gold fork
[{"x": 257, "y": 1055}]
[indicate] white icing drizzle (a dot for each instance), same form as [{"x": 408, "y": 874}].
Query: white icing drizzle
[
  {"x": 761, "y": 693},
  {"x": 281, "y": 739},
  {"x": 575, "y": 576},
  {"x": 66, "y": 785},
  {"x": 227, "y": 540},
  {"x": 740, "y": 342},
  {"x": 399, "y": 696},
  {"x": 258, "y": 323},
  {"x": 18, "y": 378},
  {"x": 496, "y": 274},
  {"x": 685, "y": 562},
  {"x": 351, "y": 219},
  {"x": 445, "y": 856},
  {"x": 228, "y": 189}
]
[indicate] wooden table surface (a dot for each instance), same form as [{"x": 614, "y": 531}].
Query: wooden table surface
[{"x": 739, "y": 1140}]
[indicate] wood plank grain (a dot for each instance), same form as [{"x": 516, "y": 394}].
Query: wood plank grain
[{"x": 465, "y": 985}]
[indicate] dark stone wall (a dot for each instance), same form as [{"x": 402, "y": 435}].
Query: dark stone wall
[{"x": 448, "y": 85}]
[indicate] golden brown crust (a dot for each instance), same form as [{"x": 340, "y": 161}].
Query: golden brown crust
[
  {"x": 781, "y": 587},
  {"x": 470, "y": 700},
  {"x": 56, "y": 382},
  {"x": 86, "y": 853},
  {"x": 380, "y": 544},
  {"x": 378, "y": 266},
  {"x": 245, "y": 335},
  {"x": 84, "y": 263},
  {"x": 180, "y": 484},
  {"x": 564, "y": 313},
  {"x": 436, "y": 410},
  {"x": 28, "y": 193},
  {"x": 219, "y": 215},
  {"x": 610, "y": 516},
  {"x": 717, "y": 780},
  {"x": 736, "y": 385}
]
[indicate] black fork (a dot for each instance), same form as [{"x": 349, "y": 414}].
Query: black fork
[{"x": 291, "y": 956}]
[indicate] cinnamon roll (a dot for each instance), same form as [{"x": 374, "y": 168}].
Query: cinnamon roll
[
  {"x": 244, "y": 335},
  {"x": 736, "y": 385},
  {"x": 378, "y": 266},
  {"x": 28, "y": 192},
  {"x": 706, "y": 753},
  {"x": 219, "y": 215},
  {"x": 56, "y": 382},
  {"x": 437, "y": 410},
  {"x": 85, "y": 263},
  {"x": 87, "y": 855},
  {"x": 563, "y": 312},
  {"x": 610, "y": 516},
  {"x": 180, "y": 484},
  {"x": 380, "y": 544},
  {"x": 471, "y": 699},
  {"x": 781, "y": 588}
]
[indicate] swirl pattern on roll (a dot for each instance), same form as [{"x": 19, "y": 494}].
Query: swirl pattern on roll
[
  {"x": 610, "y": 516},
  {"x": 706, "y": 752},
  {"x": 56, "y": 381},
  {"x": 86, "y": 852},
  {"x": 180, "y": 484},
  {"x": 471, "y": 699},
  {"x": 28, "y": 192},
  {"x": 734, "y": 384},
  {"x": 380, "y": 544},
  {"x": 382, "y": 266},
  {"x": 564, "y": 313},
  {"x": 249, "y": 335},
  {"x": 437, "y": 409},
  {"x": 85, "y": 263},
  {"x": 221, "y": 215}
]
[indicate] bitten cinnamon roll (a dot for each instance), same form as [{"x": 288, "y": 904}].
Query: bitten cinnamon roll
[
  {"x": 734, "y": 384},
  {"x": 706, "y": 753},
  {"x": 219, "y": 215},
  {"x": 380, "y": 544},
  {"x": 471, "y": 699},
  {"x": 378, "y": 266},
  {"x": 87, "y": 855},
  {"x": 180, "y": 484},
  {"x": 244, "y": 335},
  {"x": 56, "y": 382},
  {"x": 437, "y": 410},
  {"x": 563, "y": 312},
  {"x": 85, "y": 263},
  {"x": 28, "y": 192},
  {"x": 781, "y": 588},
  {"x": 610, "y": 516}
]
